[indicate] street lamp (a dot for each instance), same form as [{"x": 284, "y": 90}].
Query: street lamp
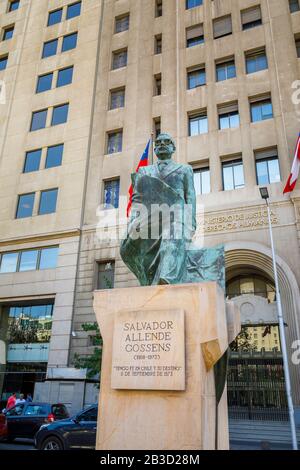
[{"x": 265, "y": 195}]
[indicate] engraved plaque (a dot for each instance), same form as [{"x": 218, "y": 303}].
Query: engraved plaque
[{"x": 149, "y": 350}]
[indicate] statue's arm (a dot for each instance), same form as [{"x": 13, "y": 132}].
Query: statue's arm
[{"x": 190, "y": 194}]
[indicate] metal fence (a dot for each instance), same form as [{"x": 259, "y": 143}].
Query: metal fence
[{"x": 256, "y": 388}]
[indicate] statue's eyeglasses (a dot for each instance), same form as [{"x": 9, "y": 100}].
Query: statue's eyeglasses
[{"x": 165, "y": 141}]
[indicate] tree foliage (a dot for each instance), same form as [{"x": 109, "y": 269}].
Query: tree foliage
[{"x": 91, "y": 362}]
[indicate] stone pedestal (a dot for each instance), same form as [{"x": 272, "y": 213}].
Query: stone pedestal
[{"x": 157, "y": 381}]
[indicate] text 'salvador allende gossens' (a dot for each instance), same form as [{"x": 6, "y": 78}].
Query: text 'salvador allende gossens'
[{"x": 153, "y": 336}]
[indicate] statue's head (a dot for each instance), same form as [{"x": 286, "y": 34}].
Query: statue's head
[{"x": 164, "y": 147}]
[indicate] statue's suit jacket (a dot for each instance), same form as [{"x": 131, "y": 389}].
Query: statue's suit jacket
[{"x": 179, "y": 177}]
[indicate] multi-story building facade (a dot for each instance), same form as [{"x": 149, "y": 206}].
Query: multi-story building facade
[{"x": 86, "y": 84}]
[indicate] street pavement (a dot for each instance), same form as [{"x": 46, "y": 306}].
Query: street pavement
[{"x": 18, "y": 444}]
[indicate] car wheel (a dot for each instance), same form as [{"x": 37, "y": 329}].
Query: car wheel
[{"x": 52, "y": 443}]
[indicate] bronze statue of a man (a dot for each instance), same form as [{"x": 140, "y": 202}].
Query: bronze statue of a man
[{"x": 163, "y": 187}]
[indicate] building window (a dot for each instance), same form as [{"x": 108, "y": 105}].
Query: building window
[
  {"x": 194, "y": 35},
  {"x": 158, "y": 8},
  {"x": 119, "y": 59},
  {"x": 50, "y": 48},
  {"x": 294, "y": 5},
  {"x": 122, "y": 23},
  {"x": 73, "y": 10},
  {"x": 202, "y": 180},
  {"x": 256, "y": 61},
  {"x": 111, "y": 193},
  {"x": 64, "y": 76},
  {"x": 48, "y": 258},
  {"x": 8, "y": 33},
  {"x": 196, "y": 77},
  {"x": 106, "y": 275},
  {"x": 251, "y": 17},
  {"x": 28, "y": 260},
  {"x": 114, "y": 142},
  {"x": 54, "y": 155},
  {"x": 157, "y": 85},
  {"x": 60, "y": 114},
  {"x": 3, "y": 62},
  {"x": 14, "y": 5},
  {"x": 228, "y": 116},
  {"x": 44, "y": 82},
  {"x": 297, "y": 43},
  {"x": 261, "y": 109},
  {"x": 233, "y": 175},
  {"x": 117, "y": 98},
  {"x": 158, "y": 44},
  {"x": 69, "y": 42},
  {"x": 30, "y": 324},
  {"x": 267, "y": 166},
  {"x": 38, "y": 120},
  {"x": 225, "y": 69},
  {"x": 25, "y": 260},
  {"x": 156, "y": 127},
  {"x": 193, "y": 3},
  {"x": 54, "y": 17},
  {"x": 198, "y": 124},
  {"x": 48, "y": 201},
  {"x": 222, "y": 26},
  {"x": 32, "y": 161},
  {"x": 25, "y": 205}
]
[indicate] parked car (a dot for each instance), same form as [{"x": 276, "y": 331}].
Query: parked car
[
  {"x": 78, "y": 432},
  {"x": 25, "y": 419},
  {"x": 3, "y": 426}
]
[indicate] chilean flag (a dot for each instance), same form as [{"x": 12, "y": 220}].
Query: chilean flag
[
  {"x": 291, "y": 182},
  {"x": 144, "y": 161}
]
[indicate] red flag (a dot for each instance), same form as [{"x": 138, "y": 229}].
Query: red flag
[
  {"x": 292, "y": 180},
  {"x": 144, "y": 161}
]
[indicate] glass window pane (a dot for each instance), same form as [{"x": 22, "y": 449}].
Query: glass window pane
[
  {"x": 50, "y": 48},
  {"x": 231, "y": 70},
  {"x": 28, "y": 260},
  {"x": 238, "y": 171},
  {"x": 111, "y": 193},
  {"x": 64, "y": 76},
  {"x": 261, "y": 62},
  {"x": 14, "y": 5},
  {"x": 203, "y": 125},
  {"x": 9, "y": 262},
  {"x": 267, "y": 111},
  {"x": 193, "y": 127},
  {"x": 274, "y": 173},
  {"x": 221, "y": 73},
  {"x": 205, "y": 177},
  {"x": 256, "y": 112},
  {"x": 224, "y": 121},
  {"x": 197, "y": 182},
  {"x": 234, "y": 120},
  {"x": 54, "y": 17},
  {"x": 69, "y": 42},
  {"x": 73, "y": 10},
  {"x": 251, "y": 65},
  {"x": 228, "y": 178},
  {"x": 3, "y": 62},
  {"x": 44, "y": 83},
  {"x": 60, "y": 114},
  {"x": 49, "y": 258},
  {"x": 54, "y": 155},
  {"x": 25, "y": 206},
  {"x": 106, "y": 275},
  {"x": 39, "y": 119},
  {"x": 8, "y": 33},
  {"x": 48, "y": 201},
  {"x": 32, "y": 161},
  {"x": 262, "y": 172},
  {"x": 193, "y": 3}
]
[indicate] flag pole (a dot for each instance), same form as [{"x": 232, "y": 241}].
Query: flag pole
[{"x": 152, "y": 147}]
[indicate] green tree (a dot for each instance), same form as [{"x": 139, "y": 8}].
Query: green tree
[{"x": 91, "y": 362}]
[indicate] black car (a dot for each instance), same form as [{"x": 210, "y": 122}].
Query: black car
[
  {"x": 78, "y": 432},
  {"x": 25, "y": 419}
]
